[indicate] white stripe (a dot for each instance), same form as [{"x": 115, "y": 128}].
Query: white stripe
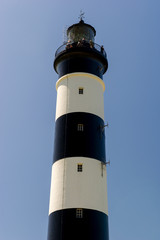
[
  {"x": 68, "y": 97},
  {"x": 72, "y": 189}
]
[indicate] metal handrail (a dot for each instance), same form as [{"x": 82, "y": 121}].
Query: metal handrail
[{"x": 82, "y": 44}]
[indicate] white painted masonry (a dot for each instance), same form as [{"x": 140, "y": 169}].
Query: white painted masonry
[
  {"x": 69, "y": 100},
  {"x": 72, "y": 189}
]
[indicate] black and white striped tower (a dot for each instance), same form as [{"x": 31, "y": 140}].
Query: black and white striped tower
[{"x": 78, "y": 197}]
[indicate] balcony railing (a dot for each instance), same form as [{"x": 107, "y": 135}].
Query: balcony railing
[{"x": 81, "y": 44}]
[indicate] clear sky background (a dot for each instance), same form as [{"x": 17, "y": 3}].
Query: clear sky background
[{"x": 30, "y": 33}]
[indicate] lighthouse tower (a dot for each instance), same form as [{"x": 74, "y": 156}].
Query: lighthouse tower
[{"x": 78, "y": 197}]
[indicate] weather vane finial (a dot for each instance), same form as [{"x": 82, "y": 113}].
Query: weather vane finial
[{"x": 81, "y": 16}]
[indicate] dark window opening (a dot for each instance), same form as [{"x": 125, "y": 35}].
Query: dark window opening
[
  {"x": 79, "y": 167},
  {"x": 80, "y": 90}
]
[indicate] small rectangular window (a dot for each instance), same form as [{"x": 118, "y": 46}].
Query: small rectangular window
[
  {"x": 79, "y": 167},
  {"x": 80, "y": 127},
  {"x": 80, "y": 90},
  {"x": 79, "y": 213}
]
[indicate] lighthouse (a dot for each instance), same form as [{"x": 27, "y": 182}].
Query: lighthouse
[{"x": 78, "y": 196}]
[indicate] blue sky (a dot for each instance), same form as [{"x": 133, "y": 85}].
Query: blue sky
[{"x": 31, "y": 31}]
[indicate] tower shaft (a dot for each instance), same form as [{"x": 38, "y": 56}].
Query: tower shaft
[{"x": 78, "y": 197}]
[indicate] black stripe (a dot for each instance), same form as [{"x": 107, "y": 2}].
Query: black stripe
[
  {"x": 63, "y": 225},
  {"x": 81, "y": 61},
  {"x": 69, "y": 142}
]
